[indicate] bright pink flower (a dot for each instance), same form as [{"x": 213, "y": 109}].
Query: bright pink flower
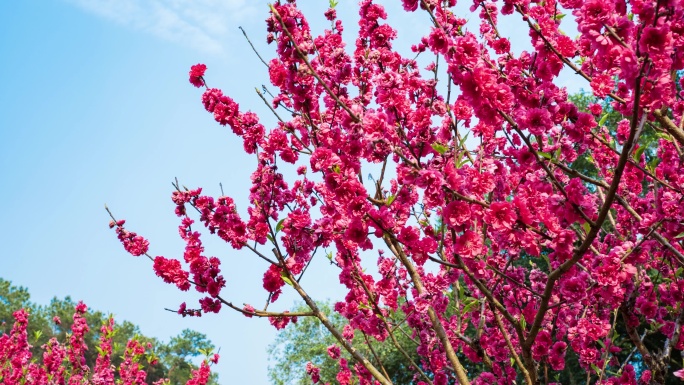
[
  {"x": 679, "y": 373},
  {"x": 171, "y": 272},
  {"x": 623, "y": 128},
  {"x": 469, "y": 244},
  {"x": 281, "y": 322},
  {"x": 132, "y": 242},
  {"x": 249, "y": 310},
  {"x": 456, "y": 213},
  {"x": 602, "y": 85},
  {"x": 197, "y": 75},
  {"x": 500, "y": 216}
]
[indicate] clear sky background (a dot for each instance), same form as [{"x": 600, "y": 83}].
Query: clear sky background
[{"x": 95, "y": 108}]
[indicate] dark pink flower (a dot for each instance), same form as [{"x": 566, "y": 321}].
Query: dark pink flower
[
  {"x": 357, "y": 231},
  {"x": 334, "y": 351},
  {"x": 655, "y": 39},
  {"x": 210, "y": 305},
  {"x": 538, "y": 121},
  {"x": 557, "y": 355}
]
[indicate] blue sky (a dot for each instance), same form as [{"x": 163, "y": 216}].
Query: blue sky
[{"x": 95, "y": 108}]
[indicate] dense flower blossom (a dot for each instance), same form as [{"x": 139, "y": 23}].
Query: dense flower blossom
[
  {"x": 66, "y": 363},
  {"x": 135, "y": 244},
  {"x": 538, "y": 240}
]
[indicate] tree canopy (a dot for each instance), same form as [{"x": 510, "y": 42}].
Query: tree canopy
[{"x": 554, "y": 241}]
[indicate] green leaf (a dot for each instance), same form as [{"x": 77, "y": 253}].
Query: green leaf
[
  {"x": 391, "y": 199},
  {"x": 440, "y": 148},
  {"x": 641, "y": 149},
  {"x": 279, "y": 226},
  {"x": 333, "y": 3},
  {"x": 336, "y": 169},
  {"x": 587, "y": 227},
  {"x": 558, "y": 16},
  {"x": 37, "y": 334},
  {"x": 590, "y": 158},
  {"x": 596, "y": 369},
  {"x": 463, "y": 139},
  {"x": 678, "y": 273},
  {"x": 545, "y": 155},
  {"x": 470, "y": 305},
  {"x": 464, "y": 160},
  {"x": 680, "y": 235},
  {"x": 652, "y": 164},
  {"x": 603, "y": 120},
  {"x": 663, "y": 135},
  {"x": 270, "y": 238},
  {"x": 285, "y": 278}
]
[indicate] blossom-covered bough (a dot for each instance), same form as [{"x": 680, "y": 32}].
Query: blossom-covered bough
[{"x": 503, "y": 259}]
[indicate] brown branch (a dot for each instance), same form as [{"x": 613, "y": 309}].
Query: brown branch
[
  {"x": 331, "y": 328},
  {"x": 253, "y": 49},
  {"x": 437, "y": 326},
  {"x": 555, "y": 275},
  {"x": 669, "y": 125},
  {"x": 516, "y": 358}
]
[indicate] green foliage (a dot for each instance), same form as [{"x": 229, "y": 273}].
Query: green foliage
[
  {"x": 308, "y": 340},
  {"x": 174, "y": 358}
]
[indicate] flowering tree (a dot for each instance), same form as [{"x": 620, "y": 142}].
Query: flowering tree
[
  {"x": 499, "y": 260},
  {"x": 54, "y": 322},
  {"x": 65, "y": 362}
]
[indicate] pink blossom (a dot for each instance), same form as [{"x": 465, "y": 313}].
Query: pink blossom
[
  {"x": 602, "y": 85},
  {"x": 334, "y": 351},
  {"x": 456, "y": 213},
  {"x": 196, "y": 75},
  {"x": 500, "y": 216}
]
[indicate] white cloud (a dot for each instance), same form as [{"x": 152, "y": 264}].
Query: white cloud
[{"x": 205, "y": 25}]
